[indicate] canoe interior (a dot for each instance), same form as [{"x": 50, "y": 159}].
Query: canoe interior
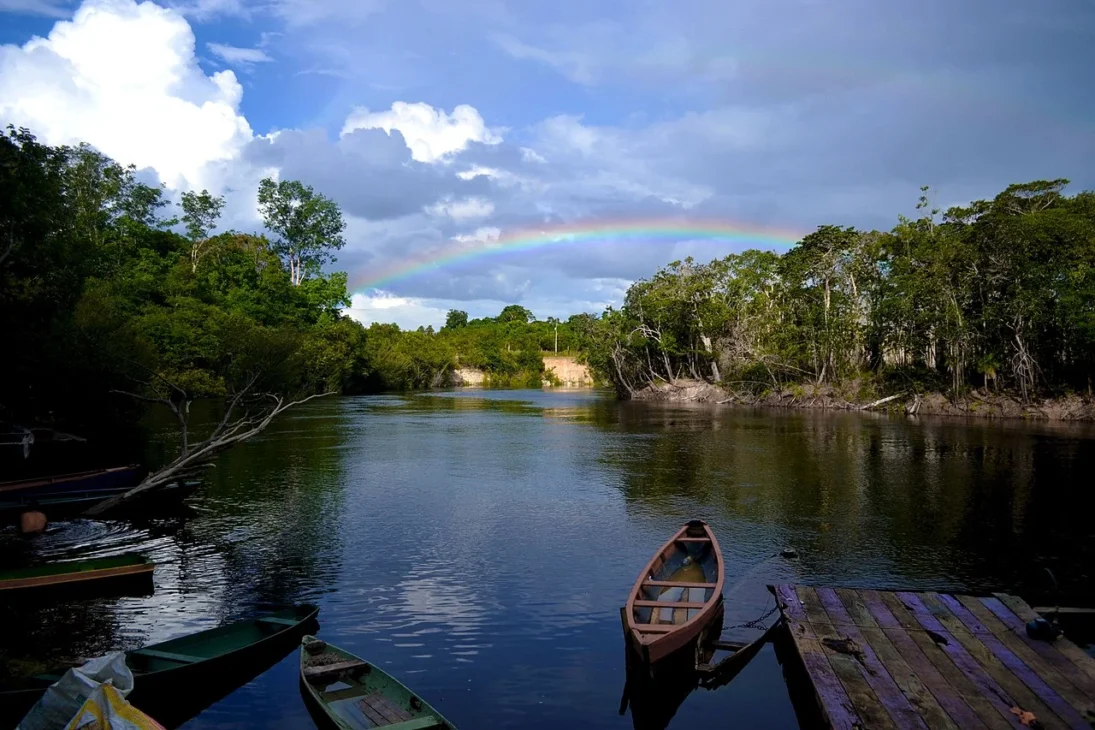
[
  {"x": 688, "y": 562},
  {"x": 74, "y": 566},
  {"x": 362, "y": 696}
]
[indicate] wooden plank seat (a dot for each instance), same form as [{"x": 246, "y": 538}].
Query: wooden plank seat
[
  {"x": 656, "y": 628},
  {"x": 692, "y": 539},
  {"x": 168, "y": 655},
  {"x": 329, "y": 670},
  {"x": 675, "y": 584},
  {"x": 670, "y": 604},
  {"x": 381, "y": 711}
]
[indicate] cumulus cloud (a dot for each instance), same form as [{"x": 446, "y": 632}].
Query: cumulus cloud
[
  {"x": 431, "y": 134},
  {"x": 123, "y": 76},
  {"x": 485, "y": 235},
  {"x": 462, "y": 210},
  {"x": 237, "y": 55}
]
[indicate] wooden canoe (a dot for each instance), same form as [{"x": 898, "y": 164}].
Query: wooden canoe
[
  {"x": 76, "y": 571},
  {"x": 205, "y": 661},
  {"x": 678, "y": 593},
  {"x": 63, "y": 504},
  {"x": 84, "y": 481},
  {"x": 351, "y": 694}
]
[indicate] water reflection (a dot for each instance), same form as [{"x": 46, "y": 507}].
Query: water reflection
[{"x": 479, "y": 544}]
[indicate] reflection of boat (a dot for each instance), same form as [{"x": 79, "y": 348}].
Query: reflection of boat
[
  {"x": 175, "y": 679},
  {"x": 86, "y": 481},
  {"x": 677, "y": 594},
  {"x": 654, "y": 697},
  {"x": 99, "y": 570},
  {"x": 350, "y": 693}
]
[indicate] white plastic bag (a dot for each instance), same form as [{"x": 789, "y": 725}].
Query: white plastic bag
[{"x": 67, "y": 695}]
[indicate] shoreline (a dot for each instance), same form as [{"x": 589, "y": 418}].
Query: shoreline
[{"x": 1073, "y": 408}]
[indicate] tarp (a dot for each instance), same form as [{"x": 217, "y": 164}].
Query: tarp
[{"x": 90, "y": 696}]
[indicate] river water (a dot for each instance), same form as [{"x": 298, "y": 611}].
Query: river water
[{"x": 478, "y": 544}]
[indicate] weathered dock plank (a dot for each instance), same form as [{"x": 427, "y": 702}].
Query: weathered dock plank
[{"x": 929, "y": 660}]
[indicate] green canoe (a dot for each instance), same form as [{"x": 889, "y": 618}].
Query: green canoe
[
  {"x": 100, "y": 570},
  {"x": 352, "y": 694},
  {"x": 172, "y": 678}
]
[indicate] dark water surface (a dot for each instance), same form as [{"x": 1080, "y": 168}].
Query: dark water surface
[{"x": 478, "y": 544}]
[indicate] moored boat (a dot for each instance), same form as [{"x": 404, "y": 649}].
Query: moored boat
[
  {"x": 118, "y": 477},
  {"x": 74, "y": 502},
  {"x": 350, "y": 693},
  {"x": 166, "y": 674},
  {"x": 678, "y": 593},
  {"x": 99, "y": 570}
]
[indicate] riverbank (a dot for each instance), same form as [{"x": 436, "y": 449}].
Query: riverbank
[{"x": 974, "y": 404}]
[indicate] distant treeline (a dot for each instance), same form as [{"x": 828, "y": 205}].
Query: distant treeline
[{"x": 996, "y": 295}]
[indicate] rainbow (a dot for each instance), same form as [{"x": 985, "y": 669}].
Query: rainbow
[{"x": 585, "y": 232}]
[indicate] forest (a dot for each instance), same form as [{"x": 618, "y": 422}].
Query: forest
[
  {"x": 112, "y": 297},
  {"x": 995, "y": 296}
]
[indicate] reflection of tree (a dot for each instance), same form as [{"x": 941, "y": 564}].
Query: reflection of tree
[{"x": 864, "y": 498}]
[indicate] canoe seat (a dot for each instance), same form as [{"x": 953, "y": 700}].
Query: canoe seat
[
  {"x": 382, "y": 712},
  {"x": 676, "y": 584},
  {"x": 656, "y": 628},
  {"x": 670, "y": 604},
  {"x": 327, "y": 670},
  {"x": 168, "y": 655},
  {"x": 278, "y": 620},
  {"x": 692, "y": 539}
]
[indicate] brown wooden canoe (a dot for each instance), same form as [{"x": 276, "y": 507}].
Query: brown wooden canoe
[{"x": 677, "y": 594}]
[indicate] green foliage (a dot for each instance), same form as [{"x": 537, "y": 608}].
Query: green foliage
[
  {"x": 307, "y": 226},
  {"x": 455, "y": 319},
  {"x": 1000, "y": 292},
  {"x": 99, "y": 297}
]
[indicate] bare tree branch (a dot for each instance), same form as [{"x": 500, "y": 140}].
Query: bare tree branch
[{"x": 240, "y": 430}]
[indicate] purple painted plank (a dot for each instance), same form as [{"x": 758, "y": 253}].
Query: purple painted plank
[
  {"x": 1070, "y": 650},
  {"x": 835, "y": 703},
  {"x": 945, "y": 695},
  {"x": 1017, "y": 666},
  {"x": 1047, "y": 651},
  {"x": 878, "y": 678},
  {"x": 997, "y": 696},
  {"x": 878, "y": 609},
  {"x": 789, "y": 602}
]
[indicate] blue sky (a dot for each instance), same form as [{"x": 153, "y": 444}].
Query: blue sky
[{"x": 443, "y": 125}]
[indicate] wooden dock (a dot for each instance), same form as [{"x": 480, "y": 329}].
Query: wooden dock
[{"x": 877, "y": 659}]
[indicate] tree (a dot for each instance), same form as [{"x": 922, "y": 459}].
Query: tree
[
  {"x": 515, "y": 313},
  {"x": 200, "y": 214},
  {"x": 308, "y": 226},
  {"x": 456, "y": 319}
]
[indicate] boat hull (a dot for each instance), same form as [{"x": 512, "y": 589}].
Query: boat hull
[
  {"x": 226, "y": 658},
  {"x": 95, "y": 570},
  {"x": 119, "y": 477},
  {"x": 365, "y": 695},
  {"x": 677, "y": 595}
]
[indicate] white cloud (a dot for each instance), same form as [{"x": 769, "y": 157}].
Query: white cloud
[
  {"x": 384, "y": 307},
  {"x": 237, "y": 55},
  {"x": 124, "y": 78},
  {"x": 487, "y": 235},
  {"x": 431, "y": 134},
  {"x": 463, "y": 209}
]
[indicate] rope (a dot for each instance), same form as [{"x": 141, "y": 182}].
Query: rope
[{"x": 757, "y": 623}]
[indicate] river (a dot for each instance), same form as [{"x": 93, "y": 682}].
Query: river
[{"x": 478, "y": 544}]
